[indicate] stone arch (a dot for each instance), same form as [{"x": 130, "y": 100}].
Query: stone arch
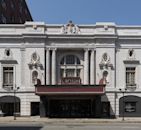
[
  {"x": 10, "y": 105},
  {"x": 9, "y": 99},
  {"x": 130, "y": 106}
]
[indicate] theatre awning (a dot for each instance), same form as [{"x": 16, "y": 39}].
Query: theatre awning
[{"x": 69, "y": 89}]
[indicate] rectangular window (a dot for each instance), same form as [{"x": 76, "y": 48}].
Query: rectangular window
[
  {"x": 130, "y": 76},
  {"x": 8, "y": 76},
  {"x": 130, "y": 107}
]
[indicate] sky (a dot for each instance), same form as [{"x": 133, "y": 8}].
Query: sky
[{"x": 122, "y": 12}]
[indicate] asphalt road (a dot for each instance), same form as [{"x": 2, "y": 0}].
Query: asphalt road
[{"x": 91, "y": 126}]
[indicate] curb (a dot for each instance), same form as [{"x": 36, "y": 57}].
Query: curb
[{"x": 38, "y": 120}]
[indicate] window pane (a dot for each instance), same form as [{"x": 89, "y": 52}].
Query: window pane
[
  {"x": 78, "y": 72},
  {"x": 130, "y": 75},
  {"x": 11, "y": 78},
  {"x": 5, "y": 78},
  {"x": 78, "y": 61},
  {"x": 70, "y": 59},
  {"x": 70, "y": 73},
  {"x": 62, "y": 61},
  {"x": 62, "y": 73},
  {"x": 8, "y": 76}
]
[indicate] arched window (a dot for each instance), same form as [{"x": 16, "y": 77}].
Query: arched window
[
  {"x": 104, "y": 79},
  {"x": 70, "y": 67},
  {"x": 34, "y": 77}
]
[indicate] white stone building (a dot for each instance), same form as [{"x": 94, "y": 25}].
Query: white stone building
[{"x": 80, "y": 70}]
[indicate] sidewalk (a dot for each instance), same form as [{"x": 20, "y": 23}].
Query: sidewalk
[{"x": 38, "y": 120}]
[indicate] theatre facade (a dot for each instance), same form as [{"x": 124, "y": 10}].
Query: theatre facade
[{"x": 69, "y": 70}]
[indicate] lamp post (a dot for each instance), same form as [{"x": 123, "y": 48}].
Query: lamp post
[
  {"x": 123, "y": 106},
  {"x": 15, "y": 89}
]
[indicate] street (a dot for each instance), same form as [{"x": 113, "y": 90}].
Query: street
[
  {"x": 74, "y": 126},
  {"x": 19, "y": 127}
]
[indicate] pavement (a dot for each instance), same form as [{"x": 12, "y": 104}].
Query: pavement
[{"x": 38, "y": 120}]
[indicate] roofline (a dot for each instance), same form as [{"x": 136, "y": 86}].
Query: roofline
[{"x": 28, "y": 10}]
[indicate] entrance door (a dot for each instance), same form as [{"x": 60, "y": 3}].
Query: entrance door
[
  {"x": 70, "y": 108},
  {"x": 35, "y": 108},
  {"x": 105, "y": 109}
]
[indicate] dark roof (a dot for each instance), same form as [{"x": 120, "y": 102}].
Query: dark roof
[{"x": 14, "y": 12}]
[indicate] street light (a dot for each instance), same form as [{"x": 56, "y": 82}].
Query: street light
[
  {"x": 15, "y": 89},
  {"x": 123, "y": 91}
]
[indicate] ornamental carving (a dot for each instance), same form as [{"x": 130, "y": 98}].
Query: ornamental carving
[
  {"x": 131, "y": 54},
  {"x": 105, "y": 61},
  {"x": 35, "y": 61},
  {"x": 8, "y": 54},
  {"x": 105, "y": 78},
  {"x": 70, "y": 28}
]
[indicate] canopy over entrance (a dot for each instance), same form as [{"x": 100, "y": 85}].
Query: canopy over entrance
[{"x": 69, "y": 89}]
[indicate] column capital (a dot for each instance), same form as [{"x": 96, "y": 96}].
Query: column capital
[
  {"x": 47, "y": 49},
  {"x": 92, "y": 49},
  {"x": 86, "y": 49},
  {"x": 53, "y": 49}
]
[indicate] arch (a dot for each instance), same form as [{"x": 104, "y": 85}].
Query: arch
[
  {"x": 34, "y": 76},
  {"x": 130, "y": 106},
  {"x": 9, "y": 99},
  {"x": 130, "y": 97},
  {"x": 10, "y": 105}
]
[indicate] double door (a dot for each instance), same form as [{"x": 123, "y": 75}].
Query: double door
[{"x": 70, "y": 108}]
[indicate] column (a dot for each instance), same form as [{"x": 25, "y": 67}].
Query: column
[
  {"x": 92, "y": 68},
  {"x": 47, "y": 66},
  {"x": 86, "y": 66},
  {"x": 54, "y": 66}
]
